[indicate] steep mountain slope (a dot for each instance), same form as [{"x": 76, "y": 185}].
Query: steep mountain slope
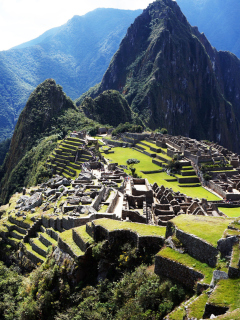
[
  {"x": 76, "y": 55},
  {"x": 218, "y": 19},
  {"x": 173, "y": 78},
  {"x": 110, "y": 107},
  {"x": 47, "y": 117}
]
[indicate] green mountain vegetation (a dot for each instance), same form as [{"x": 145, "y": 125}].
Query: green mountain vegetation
[
  {"x": 218, "y": 19},
  {"x": 173, "y": 78},
  {"x": 76, "y": 55},
  {"x": 110, "y": 108},
  {"x": 47, "y": 117}
]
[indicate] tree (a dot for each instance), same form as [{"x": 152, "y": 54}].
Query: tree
[{"x": 131, "y": 162}]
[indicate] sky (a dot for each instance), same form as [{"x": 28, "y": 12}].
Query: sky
[{"x": 24, "y": 20}]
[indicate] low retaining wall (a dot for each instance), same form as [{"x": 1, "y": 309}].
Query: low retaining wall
[
  {"x": 113, "y": 203},
  {"x": 174, "y": 270},
  {"x": 133, "y": 216},
  {"x": 21, "y": 224},
  {"x": 198, "y": 248},
  {"x": 119, "y": 237},
  {"x": 96, "y": 202},
  {"x": 79, "y": 241}
]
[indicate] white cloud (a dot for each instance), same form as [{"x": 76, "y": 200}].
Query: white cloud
[{"x": 23, "y": 20}]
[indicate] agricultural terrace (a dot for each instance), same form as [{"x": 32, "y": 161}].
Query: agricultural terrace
[
  {"x": 186, "y": 260},
  {"x": 207, "y": 228},
  {"x": 121, "y": 155},
  {"x": 139, "y": 228},
  {"x": 226, "y": 294}
]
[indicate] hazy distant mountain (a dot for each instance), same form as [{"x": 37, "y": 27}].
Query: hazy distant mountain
[
  {"x": 76, "y": 55},
  {"x": 218, "y": 19}
]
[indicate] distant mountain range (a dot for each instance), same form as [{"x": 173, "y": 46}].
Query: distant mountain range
[
  {"x": 76, "y": 55},
  {"x": 218, "y": 19}
]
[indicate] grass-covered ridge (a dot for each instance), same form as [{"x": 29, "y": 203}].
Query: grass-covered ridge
[
  {"x": 210, "y": 229},
  {"x": 185, "y": 259},
  {"x": 139, "y": 228}
]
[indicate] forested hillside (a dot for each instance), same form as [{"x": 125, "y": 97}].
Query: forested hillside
[{"x": 76, "y": 55}]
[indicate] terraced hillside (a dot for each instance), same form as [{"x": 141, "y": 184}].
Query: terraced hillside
[{"x": 68, "y": 157}]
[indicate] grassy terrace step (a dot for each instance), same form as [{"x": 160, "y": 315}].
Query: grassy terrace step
[
  {"x": 209, "y": 229},
  {"x": 14, "y": 241},
  {"x": 197, "y": 307},
  {"x": 29, "y": 249},
  {"x": 226, "y": 294},
  {"x": 48, "y": 238},
  {"x": 66, "y": 236},
  {"x": 230, "y": 212},
  {"x": 235, "y": 256},
  {"x": 186, "y": 260},
  {"x": 17, "y": 235},
  {"x": 69, "y": 146},
  {"x": 140, "y": 229},
  {"x": 39, "y": 244},
  {"x": 81, "y": 231}
]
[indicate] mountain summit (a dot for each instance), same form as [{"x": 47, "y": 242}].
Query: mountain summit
[{"x": 172, "y": 77}]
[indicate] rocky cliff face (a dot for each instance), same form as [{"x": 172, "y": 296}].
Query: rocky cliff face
[{"x": 173, "y": 78}]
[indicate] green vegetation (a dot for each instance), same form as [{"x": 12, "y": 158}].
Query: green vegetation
[
  {"x": 4, "y": 147},
  {"x": 127, "y": 127},
  {"x": 235, "y": 256},
  {"x": 81, "y": 231},
  {"x": 110, "y": 108},
  {"x": 208, "y": 228},
  {"x": 185, "y": 259},
  {"x": 121, "y": 155},
  {"x": 66, "y": 236},
  {"x": 141, "y": 229},
  {"x": 226, "y": 294},
  {"x": 197, "y": 307},
  {"x": 230, "y": 212}
]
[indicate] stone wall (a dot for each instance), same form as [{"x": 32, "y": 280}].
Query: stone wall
[
  {"x": 198, "y": 248},
  {"x": 20, "y": 223},
  {"x": 158, "y": 163},
  {"x": 37, "y": 249},
  {"x": 119, "y": 237},
  {"x": 133, "y": 216},
  {"x": 35, "y": 260},
  {"x": 32, "y": 230},
  {"x": 79, "y": 241},
  {"x": 174, "y": 270},
  {"x": 96, "y": 202},
  {"x": 112, "y": 205}
]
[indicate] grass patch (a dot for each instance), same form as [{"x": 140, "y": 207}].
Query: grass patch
[
  {"x": 29, "y": 248},
  {"x": 66, "y": 236},
  {"x": 230, "y": 212},
  {"x": 81, "y": 231},
  {"x": 141, "y": 229},
  {"x": 197, "y": 307},
  {"x": 185, "y": 259},
  {"x": 210, "y": 229},
  {"x": 226, "y": 294},
  {"x": 235, "y": 256},
  {"x": 103, "y": 208}
]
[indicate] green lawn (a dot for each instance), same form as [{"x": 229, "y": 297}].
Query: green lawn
[
  {"x": 141, "y": 229},
  {"x": 226, "y": 294},
  {"x": 210, "y": 229},
  {"x": 231, "y": 212},
  {"x": 121, "y": 155},
  {"x": 185, "y": 259}
]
